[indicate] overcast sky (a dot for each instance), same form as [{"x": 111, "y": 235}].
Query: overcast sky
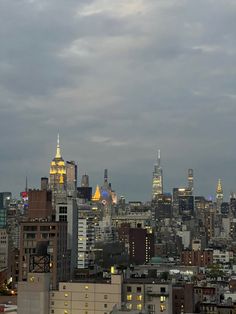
[{"x": 119, "y": 79}]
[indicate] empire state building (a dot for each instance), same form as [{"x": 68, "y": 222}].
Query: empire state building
[
  {"x": 57, "y": 178},
  {"x": 157, "y": 178}
]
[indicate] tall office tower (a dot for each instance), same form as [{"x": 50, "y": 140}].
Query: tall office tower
[
  {"x": 233, "y": 204},
  {"x": 5, "y": 198},
  {"x": 190, "y": 179},
  {"x": 183, "y": 202},
  {"x": 44, "y": 183},
  {"x": 209, "y": 219},
  {"x": 105, "y": 177},
  {"x": 85, "y": 191},
  {"x": 85, "y": 181},
  {"x": 219, "y": 196},
  {"x": 57, "y": 178},
  {"x": 157, "y": 178},
  {"x": 71, "y": 177},
  {"x": 67, "y": 211},
  {"x": 163, "y": 208}
]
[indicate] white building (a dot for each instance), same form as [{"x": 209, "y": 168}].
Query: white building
[
  {"x": 85, "y": 239},
  {"x": 222, "y": 257}
]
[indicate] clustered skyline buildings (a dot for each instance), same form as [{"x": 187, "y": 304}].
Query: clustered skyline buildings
[
  {"x": 159, "y": 181},
  {"x": 68, "y": 233}
]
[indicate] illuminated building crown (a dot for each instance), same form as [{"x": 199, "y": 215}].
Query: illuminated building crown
[{"x": 219, "y": 189}]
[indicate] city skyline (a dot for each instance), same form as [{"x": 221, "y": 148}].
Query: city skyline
[
  {"x": 119, "y": 80},
  {"x": 158, "y": 170}
]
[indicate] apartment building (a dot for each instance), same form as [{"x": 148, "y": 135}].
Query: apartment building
[
  {"x": 149, "y": 294},
  {"x": 87, "y": 297}
]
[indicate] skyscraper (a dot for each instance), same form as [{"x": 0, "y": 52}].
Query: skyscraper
[
  {"x": 71, "y": 177},
  {"x": 57, "y": 179},
  {"x": 157, "y": 179},
  {"x": 190, "y": 179},
  {"x": 219, "y": 195}
]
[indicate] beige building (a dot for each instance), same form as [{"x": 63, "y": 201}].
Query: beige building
[
  {"x": 87, "y": 297},
  {"x": 33, "y": 294}
]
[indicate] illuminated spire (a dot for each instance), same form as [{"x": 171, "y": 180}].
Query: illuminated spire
[
  {"x": 219, "y": 189},
  {"x": 159, "y": 158},
  {"x": 58, "y": 151},
  {"x": 97, "y": 195}
]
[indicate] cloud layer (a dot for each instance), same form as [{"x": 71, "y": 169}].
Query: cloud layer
[{"x": 119, "y": 79}]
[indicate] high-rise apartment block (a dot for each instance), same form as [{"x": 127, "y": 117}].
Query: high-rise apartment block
[
  {"x": 86, "y": 238},
  {"x": 141, "y": 245}
]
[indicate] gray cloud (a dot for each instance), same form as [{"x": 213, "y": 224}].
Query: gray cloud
[{"x": 119, "y": 79}]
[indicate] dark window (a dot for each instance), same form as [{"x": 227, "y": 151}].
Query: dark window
[
  {"x": 139, "y": 289},
  {"x": 129, "y": 289},
  {"x": 63, "y": 218},
  {"x": 62, "y": 210},
  {"x": 163, "y": 289}
]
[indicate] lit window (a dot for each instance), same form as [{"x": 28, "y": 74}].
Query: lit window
[
  {"x": 66, "y": 295},
  {"x": 129, "y": 297},
  {"x": 139, "y": 307},
  {"x": 139, "y": 298},
  {"x": 129, "y": 306},
  {"x": 162, "y": 298},
  {"x": 65, "y": 312},
  {"x": 66, "y": 303},
  {"x": 32, "y": 279},
  {"x": 86, "y": 287},
  {"x": 162, "y": 307}
]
